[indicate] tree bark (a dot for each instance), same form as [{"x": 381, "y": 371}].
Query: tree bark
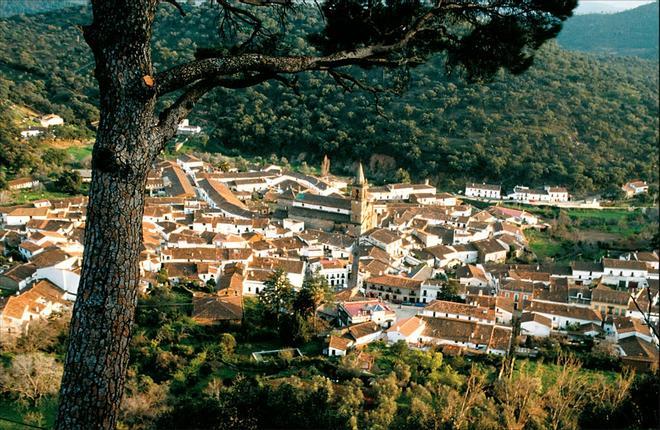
[{"x": 98, "y": 352}]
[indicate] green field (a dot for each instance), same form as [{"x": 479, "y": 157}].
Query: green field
[
  {"x": 549, "y": 371},
  {"x": 42, "y": 415},
  {"x": 544, "y": 246},
  {"x": 26, "y": 196},
  {"x": 79, "y": 153}
]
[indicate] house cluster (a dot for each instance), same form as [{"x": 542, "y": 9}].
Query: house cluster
[
  {"x": 378, "y": 247},
  {"x": 522, "y": 194},
  {"x": 613, "y": 300},
  {"x": 479, "y": 325},
  {"x": 45, "y": 122}
]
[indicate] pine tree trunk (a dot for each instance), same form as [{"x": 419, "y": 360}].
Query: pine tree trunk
[
  {"x": 98, "y": 352},
  {"x": 100, "y": 328}
]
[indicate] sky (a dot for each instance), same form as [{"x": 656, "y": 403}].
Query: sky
[{"x": 617, "y": 4}]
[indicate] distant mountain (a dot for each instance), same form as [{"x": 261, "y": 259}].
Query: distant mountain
[
  {"x": 31, "y": 7},
  {"x": 632, "y": 32},
  {"x": 585, "y": 8}
]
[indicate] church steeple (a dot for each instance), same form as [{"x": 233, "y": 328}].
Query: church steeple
[
  {"x": 362, "y": 211},
  {"x": 325, "y": 166},
  {"x": 359, "y": 178}
]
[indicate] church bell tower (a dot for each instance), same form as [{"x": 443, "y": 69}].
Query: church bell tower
[{"x": 362, "y": 212}]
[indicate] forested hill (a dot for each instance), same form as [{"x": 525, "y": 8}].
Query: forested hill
[
  {"x": 17, "y": 7},
  {"x": 572, "y": 119},
  {"x": 631, "y": 32}
]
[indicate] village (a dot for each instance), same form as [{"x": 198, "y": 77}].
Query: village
[{"x": 404, "y": 262}]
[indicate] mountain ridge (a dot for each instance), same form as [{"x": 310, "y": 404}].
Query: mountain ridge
[{"x": 630, "y": 32}]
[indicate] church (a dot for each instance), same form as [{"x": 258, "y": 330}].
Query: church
[{"x": 355, "y": 214}]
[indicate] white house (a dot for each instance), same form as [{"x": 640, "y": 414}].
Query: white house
[
  {"x": 633, "y": 188},
  {"x": 408, "y": 330},
  {"x": 51, "y": 120},
  {"x": 557, "y": 194},
  {"x": 22, "y": 183},
  {"x": 335, "y": 271},
  {"x": 563, "y": 315},
  {"x": 21, "y": 216},
  {"x": 32, "y": 132},
  {"x": 338, "y": 346},
  {"x": 623, "y": 273},
  {"x": 535, "y": 324},
  {"x": 185, "y": 128},
  {"x": 39, "y": 301},
  {"x": 359, "y": 311},
  {"x": 487, "y": 191},
  {"x": 189, "y": 163}
]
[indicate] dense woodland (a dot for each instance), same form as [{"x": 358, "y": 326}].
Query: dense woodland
[
  {"x": 17, "y": 7},
  {"x": 574, "y": 119}
]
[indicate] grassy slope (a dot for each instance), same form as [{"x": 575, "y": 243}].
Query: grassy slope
[{"x": 17, "y": 412}]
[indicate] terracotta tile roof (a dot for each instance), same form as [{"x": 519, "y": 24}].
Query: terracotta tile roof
[
  {"x": 407, "y": 326},
  {"x": 30, "y": 212},
  {"x": 211, "y": 309},
  {"x": 518, "y": 286},
  {"x": 450, "y": 329},
  {"x": 614, "y": 263},
  {"x": 491, "y": 302},
  {"x": 577, "y": 312},
  {"x": 21, "y": 272},
  {"x": 267, "y": 263},
  {"x": 637, "y": 348},
  {"x": 49, "y": 257},
  {"x": 385, "y": 236},
  {"x": 445, "y": 307},
  {"x": 357, "y": 308},
  {"x": 394, "y": 281},
  {"x": 180, "y": 185},
  {"x": 208, "y": 254},
  {"x": 33, "y": 300},
  {"x": 489, "y": 246},
  {"x": 604, "y": 294},
  {"x": 340, "y": 343},
  {"x": 489, "y": 187},
  {"x": 346, "y": 294},
  {"x": 631, "y": 325},
  {"x": 533, "y": 316},
  {"x": 500, "y": 338},
  {"x": 332, "y": 202},
  {"x": 230, "y": 284},
  {"x": 360, "y": 330},
  {"x": 529, "y": 276}
]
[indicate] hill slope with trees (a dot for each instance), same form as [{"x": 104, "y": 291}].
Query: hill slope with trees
[
  {"x": 631, "y": 32},
  {"x": 572, "y": 119}
]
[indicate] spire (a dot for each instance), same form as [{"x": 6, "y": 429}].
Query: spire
[
  {"x": 360, "y": 174},
  {"x": 325, "y": 166}
]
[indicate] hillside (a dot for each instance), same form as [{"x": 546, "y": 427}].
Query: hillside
[
  {"x": 631, "y": 32},
  {"x": 28, "y": 7},
  {"x": 573, "y": 119}
]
